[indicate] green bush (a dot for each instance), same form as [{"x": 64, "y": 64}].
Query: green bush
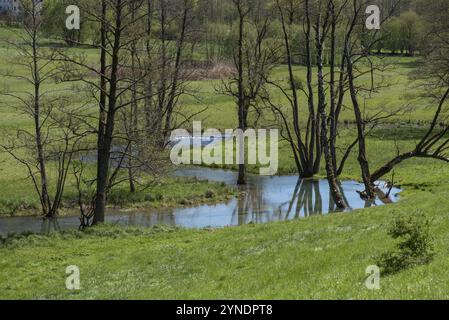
[{"x": 415, "y": 245}]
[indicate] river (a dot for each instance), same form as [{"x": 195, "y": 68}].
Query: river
[{"x": 263, "y": 200}]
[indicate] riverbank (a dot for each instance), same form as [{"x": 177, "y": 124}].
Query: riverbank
[
  {"x": 315, "y": 258},
  {"x": 168, "y": 192}
]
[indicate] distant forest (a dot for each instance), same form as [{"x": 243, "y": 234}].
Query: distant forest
[{"x": 214, "y": 24}]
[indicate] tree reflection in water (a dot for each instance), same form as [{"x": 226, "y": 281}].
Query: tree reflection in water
[
  {"x": 50, "y": 225},
  {"x": 306, "y": 200}
]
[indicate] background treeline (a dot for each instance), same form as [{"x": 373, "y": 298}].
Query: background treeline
[{"x": 215, "y": 26}]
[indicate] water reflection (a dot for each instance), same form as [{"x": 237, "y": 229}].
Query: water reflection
[
  {"x": 264, "y": 199},
  {"x": 50, "y": 225}
]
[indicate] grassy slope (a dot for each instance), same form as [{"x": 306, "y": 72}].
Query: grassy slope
[{"x": 320, "y": 257}]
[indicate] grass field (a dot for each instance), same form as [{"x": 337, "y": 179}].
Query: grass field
[{"x": 318, "y": 257}]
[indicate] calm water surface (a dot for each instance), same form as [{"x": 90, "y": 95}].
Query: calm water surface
[{"x": 263, "y": 200}]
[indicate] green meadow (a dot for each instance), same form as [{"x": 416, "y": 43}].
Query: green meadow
[{"x": 314, "y": 258}]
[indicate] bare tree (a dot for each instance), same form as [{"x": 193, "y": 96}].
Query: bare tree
[
  {"x": 254, "y": 59},
  {"x": 357, "y": 48},
  {"x": 139, "y": 73},
  {"x": 57, "y": 132},
  {"x": 116, "y": 18}
]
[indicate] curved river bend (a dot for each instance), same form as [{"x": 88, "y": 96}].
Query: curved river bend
[{"x": 264, "y": 199}]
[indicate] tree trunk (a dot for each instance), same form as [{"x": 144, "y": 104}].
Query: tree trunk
[
  {"x": 100, "y": 197},
  {"x": 241, "y": 99},
  {"x": 174, "y": 85},
  {"x": 362, "y": 159},
  {"x": 314, "y": 134},
  {"x": 106, "y": 136},
  {"x": 388, "y": 167},
  {"x": 330, "y": 170},
  {"x": 45, "y": 198}
]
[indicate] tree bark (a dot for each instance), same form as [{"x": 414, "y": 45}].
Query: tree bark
[
  {"x": 107, "y": 129},
  {"x": 314, "y": 134},
  {"x": 330, "y": 169},
  {"x": 241, "y": 98},
  {"x": 45, "y": 198},
  {"x": 362, "y": 158}
]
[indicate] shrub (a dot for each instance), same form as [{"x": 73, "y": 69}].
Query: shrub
[{"x": 415, "y": 246}]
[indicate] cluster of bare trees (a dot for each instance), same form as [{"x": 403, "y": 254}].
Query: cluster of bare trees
[
  {"x": 332, "y": 31},
  {"x": 136, "y": 85},
  {"x": 310, "y": 126}
]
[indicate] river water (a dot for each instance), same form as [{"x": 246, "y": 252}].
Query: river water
[{"x": 263, "y": 200}]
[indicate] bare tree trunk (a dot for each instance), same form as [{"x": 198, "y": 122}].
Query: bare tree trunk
[
  {"x": 314, "y": 142},
  {"x": 389, "y": 166},
  {"x": 133, "y": 129},
  {"x": 162, "y": 88},
  {"x": 45, "y": 199},
  {"x": 362, "y": 158},
  {"x": 177, "y": 70},
  {"x": 241, "y": 98},
  {"x": 100, "y": 197},
  {"x": 106, "y": 136},
  {"x": 332, "y": 112},
  {"x": 330, "y": 169}
]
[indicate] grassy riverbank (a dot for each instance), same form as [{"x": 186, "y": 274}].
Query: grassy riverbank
[{"x": 318, "y": 257}]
